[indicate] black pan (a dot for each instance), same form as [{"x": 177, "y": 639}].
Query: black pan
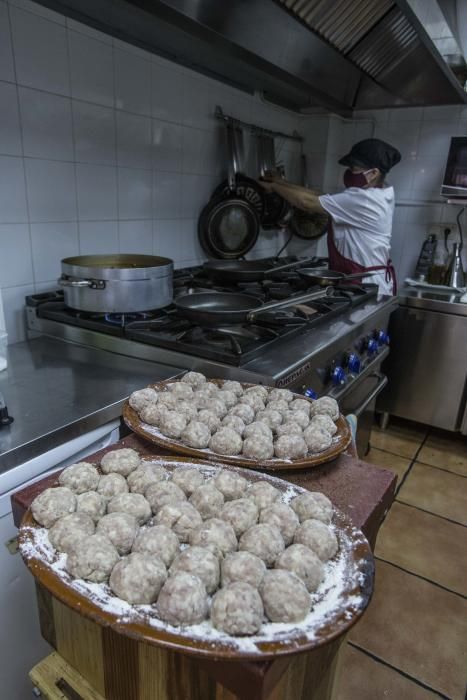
[
  {"x": 326, "y": 278},
  {"x": 247, "y": 270},
  {"x": 228, "y": 227}
]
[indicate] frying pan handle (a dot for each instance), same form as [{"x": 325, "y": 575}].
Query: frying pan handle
[
  {"x": 358, "y": 275},
  {"x": 232, "y": 154},
  {"x": 328, "y": 291},
  {"x": 292, "y": 265}
]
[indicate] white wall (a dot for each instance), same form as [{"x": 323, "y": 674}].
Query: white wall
[{"x": 106, "y": 148}]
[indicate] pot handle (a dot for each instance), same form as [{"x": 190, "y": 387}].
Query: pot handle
[{"x": 95, "y": 284}]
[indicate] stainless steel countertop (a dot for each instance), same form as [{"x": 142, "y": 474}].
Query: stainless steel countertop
[
  {"x": 432, "y": 300},
  {"x": 57, "y": 391}
]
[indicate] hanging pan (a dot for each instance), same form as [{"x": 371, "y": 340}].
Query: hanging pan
[{"x": 306, "y": 225}]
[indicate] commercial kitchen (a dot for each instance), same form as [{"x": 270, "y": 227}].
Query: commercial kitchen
[{"x": 237, "y": 205}]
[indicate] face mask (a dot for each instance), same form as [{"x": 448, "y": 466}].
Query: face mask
[{"x": 355, "y": 179}]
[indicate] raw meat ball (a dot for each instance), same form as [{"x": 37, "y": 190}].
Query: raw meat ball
[
  {"x": 187, "y": 409},
  {"x": 278, "y": 405},
  {"x": 93, "y": 558},
  {"x": 92, "y": 503},
  {"x": 148, "y": 473},
  {"x": 209, "y": 418},
  {"x": 120, "y": 528},
  {"x": 285, "y": 597},
  {"x": 229, "y": 398},
  {"x": 196, "y": 434},
  {"x": 324, "y": 421},
  {"x": 168, "y": 399},
  {"x": 200, "y": 562},
  {"x": 237, "y": 609},
  {"x": 318, "y": 537},
  {"x": 226, "y": 442},
  {"x": 66, "y": 531},
  {"x": 290, "y": 447},
  {"x": 181, "y": 390},
  {"x": 317, "y": 438},
  {"x": 300, "y": 418},
  {"x": 132, "y": 503},
  {"x": 271, "y": 418},
  {"x": 231, "y": 385},
  {"x": 281, "y": 394},
  {"x": 157, "y": 541},
  {"x": 52, "y": 504},
  {"x": 257, "y": 428},
  {"x": 265, "y": 541},
  {"x": 258, "y": 447},
  {"x": 207, "y": 500},
  {"x": 304, "y": 563},
  {"x": 241, "y": 514},
  {"x": 152, "y": 413},
  {"x": 253, "y": 400},
  {"x": 122, "y": 461},
  {"x": 283, "y": 517},
  {"x": 289, "y": 428},
  {"x": 188, "y": 479},
  {"x": 312, "y": 505},
  {"x": 258, "y": 390},
  {"x": 111, "y": 485},
  {"x": 216, "y": 535},
  {"x": 235, "y": 423},
  {"x": 263, "y": 494},
  {"x": 141, "y": 398},
  {"x": 137, "y": 579},
  {"x": 231, "y": 484},
  {"x": 181, "y": 517},
  {"x": 172, "y": 424},
  {"x": 243, "y": 411},
  {"x": 163, "y": 492},
  {"x": 183, "y": 600},
  {"x": 80, "y": 477},
  {"x": 242, "y": 566},
  {"x": 326, "y": 405},
  {"x": 300, "y": 405},
  {"x": 208, "y": 388},
  {"x": 195, "y": 379},
  {"x": 213, "y": 404}
]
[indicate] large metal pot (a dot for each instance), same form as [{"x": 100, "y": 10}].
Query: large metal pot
[{"x": 117, "y": 283}]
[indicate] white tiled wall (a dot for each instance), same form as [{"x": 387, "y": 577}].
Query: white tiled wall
[{"x": 106, "y": 148}]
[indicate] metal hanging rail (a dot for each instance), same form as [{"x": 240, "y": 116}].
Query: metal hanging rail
[{"x": 254, "y": 128}]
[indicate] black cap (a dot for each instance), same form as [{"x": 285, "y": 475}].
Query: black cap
[{"x": 372, "y": 153}]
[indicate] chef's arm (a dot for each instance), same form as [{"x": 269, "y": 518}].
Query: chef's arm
[{"x": 297, "y": 196}]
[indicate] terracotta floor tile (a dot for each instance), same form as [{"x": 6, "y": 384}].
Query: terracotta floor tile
[
  {"x": 394, "y": 463},
  {"x": 403, "y": 540},
  {"x": 400, "y": 438},
  {"x": 447, "y": 451},
  {"x": 362, "y": 678},
  {"x": 436, "y": 491},
  {"x": 418, "y": 628}
]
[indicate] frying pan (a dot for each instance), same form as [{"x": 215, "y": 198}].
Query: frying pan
[
  {"x": 247, "y": 270},
  {"x": 219, "y": 308},
  {"x": 326, "y": 278}
]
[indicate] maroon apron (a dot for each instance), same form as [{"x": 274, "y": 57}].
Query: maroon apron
[{"x": 339, "y": 263}]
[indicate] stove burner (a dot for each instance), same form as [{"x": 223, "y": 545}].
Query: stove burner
[{"x": 123, "y": 320}]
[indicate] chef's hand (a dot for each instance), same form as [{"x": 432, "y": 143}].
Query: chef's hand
[{"x": 267, "y": 185}]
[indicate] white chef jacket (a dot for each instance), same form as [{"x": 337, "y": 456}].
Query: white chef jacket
[{"x": 362, "y": 224}]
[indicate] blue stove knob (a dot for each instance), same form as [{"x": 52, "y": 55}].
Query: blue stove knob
[
  {"x": 382, "y": 338},
  {"x": 338, "y": 375},
  {"x": 311, "y": 394},
  {"x": 372, "y": 347},
  {"x": 353, "y": 363}
]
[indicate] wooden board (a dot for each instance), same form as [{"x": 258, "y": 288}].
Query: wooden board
[
  {"x": 357, "y": 590},
  {"x": 57, "y": 680},
  {"x": 341, "y": 441}
]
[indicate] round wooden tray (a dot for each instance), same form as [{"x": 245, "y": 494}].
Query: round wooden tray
[
  {"x": 143, "y": 624},
  {"x": 341, "y": 440}
]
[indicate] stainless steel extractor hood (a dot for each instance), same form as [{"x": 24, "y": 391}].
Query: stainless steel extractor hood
[{"x": 343, "y": 55}]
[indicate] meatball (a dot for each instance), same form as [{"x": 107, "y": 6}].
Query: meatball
[
  {"x": 196, "y": 435},
  {"x": 242, "y": 566},
  {"x": 200, "y": 562},
  {"x": 141, "y": 398},
  {"x": 234, "y": 386},
  {"x": 92, "y": 503},
  {"x": 122, "y": 461},
  {"x": 258, "y": 447},
  {"x": 157, "y": 541},
  {"x": 120, "y": 528},
  {"x": 304, "y": 563},
  {"x": 229, "y": 398},
  {"x": 69, "y": 529},
  {"x": 253, "y": 400},
  {"x": 326, "y": 405},
  {"x": 208, "y": 500},
  {"x": 80, "y": 477},
  {"x": 312, "y": 505},
  {"x": 300, "y": 405},
  {"x": 298, "y": 417},
  {"x": 278, "y": 405},
  {"x": 195, "y": 379},
  {"x": 318, "y": 537},
  {"x": 258, "y": 390},
  {"x": 132, "y": 503},
  {"x": 265, "y": 541},
  {"x": 188, "y": 479},
  {"x": 181, "y": 517},
  {"x": 209, "y": 418},
  {"x": 263, "y": 494},
  {"x": 138, "y": 579},
  {"x": 324, "y": 421},
  {"x": 317, "y": 439},
  {"x": 290, "y": 447},
  {"x": 183, "y": 600},
  {"x": 187, "y": 409},
  {"x": 152, "y": 413},
  {"x": 257, "y": 428},
  {"x": 213, "y": 404},
  {"x": 226, "y": 442},
  {"x": 270, "y": 417},
  {"x": 92, "y": 559},
  {"x": 216, "y": 535},
  {"x": 281, "y": 394},
  {"x": 231, "y": 484},
  {"x": 243, "y": 411},
  {"x": 283, "y": 517},
  {"x": 148, "y": 473},
  {"x": 237, "y": 609},
  {"x": 52, "y": 504},
  {"x": 285, "y": 597},
  {"x": 289, "y": 428},
  {"x": 172, "y": 424},
  {"x": 241, "y": 513},
  {"x": 181, "y": 390},
  {"x": 161, "y": 493},
  {"x": 111, "y": 485},
  {"x": 169, "y": 400},
  {"x": 235, "y": 423}
]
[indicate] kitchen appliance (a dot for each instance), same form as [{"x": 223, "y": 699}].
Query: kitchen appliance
[
  {"x": 455, "y": 175},
  {"x": 116, "y": 283},
  {"x": 455, "y": 273},
  {"x": 426, "y": 258},
  {"x": 330, "y": 345}
]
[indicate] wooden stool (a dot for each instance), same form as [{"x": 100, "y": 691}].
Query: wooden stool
[{"x": 55, "y": 679}]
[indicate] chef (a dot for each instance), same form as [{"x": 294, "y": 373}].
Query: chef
[{"x": 360, "y": 217}]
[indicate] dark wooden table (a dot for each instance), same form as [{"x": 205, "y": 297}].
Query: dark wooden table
[{"x": 363, "y": 491}]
